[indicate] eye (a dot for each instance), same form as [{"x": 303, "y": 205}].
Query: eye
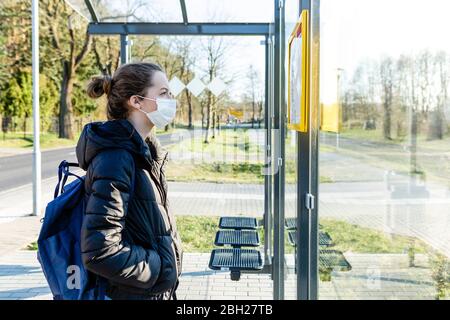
[{"x": 165, "y": 93}]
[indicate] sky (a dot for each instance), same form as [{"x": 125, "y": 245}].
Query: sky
[
  {"x": 351, "y": 31},
  {"x": 356, "y": 30}
]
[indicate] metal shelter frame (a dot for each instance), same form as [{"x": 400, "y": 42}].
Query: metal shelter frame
[{"x": 275, "y": 124}]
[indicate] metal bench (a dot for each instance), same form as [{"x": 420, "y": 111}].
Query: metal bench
[
  {"x": 238, "y": 232},
  {"x": 236, "y": 260},
  {"x": 237, "y": 238},
  {"x": 324, "y": 239},
  {"x": 328, "y": 259},
  {"x": 238, "y": 223},
  {"x": 291, "y": 224},
  {"x": 332, "y": 259}
]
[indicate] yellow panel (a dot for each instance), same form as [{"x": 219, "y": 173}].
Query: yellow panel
[
  {"x": 300, "y": 33},
  {"x": 330, "y": 118},
  {"x": 236, "y": 113}
]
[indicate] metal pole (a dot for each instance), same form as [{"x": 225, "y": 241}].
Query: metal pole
[
  {"x": 277, "y": 280},
  {"x": 307, "y": 170},
  {"x": 279, "y": 120},
  {"x": 124, "y": 49},
  {"x": 271, "y": 139},
  {"x": 36, "y": 122},
  {"x": 338, "y": 100},
  {"x": 314, "y": 143},
  {"x": 303, "y": 218},
  {"x": 282, "y": 119},
  {"x": 267, "y": 157}
]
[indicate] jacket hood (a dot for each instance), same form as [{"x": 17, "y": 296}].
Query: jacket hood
[{"x": 113, "y": 134}]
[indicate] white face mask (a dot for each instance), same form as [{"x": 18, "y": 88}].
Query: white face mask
[{"x": 165, "y": 112}]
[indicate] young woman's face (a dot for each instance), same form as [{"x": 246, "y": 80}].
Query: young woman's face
[{"x": 160, "y": 89}]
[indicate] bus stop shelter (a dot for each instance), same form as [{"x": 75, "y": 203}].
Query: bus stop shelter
[{"x": 274, "y": 35}]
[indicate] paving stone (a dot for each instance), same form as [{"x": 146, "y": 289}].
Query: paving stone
[{"x": 394, "y": 283}]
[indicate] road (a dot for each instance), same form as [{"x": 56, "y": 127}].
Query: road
[{"x": 16, "y": 171}]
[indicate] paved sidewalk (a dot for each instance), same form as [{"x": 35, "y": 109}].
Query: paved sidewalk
[
  {"x": 8, "y": 152},
  {"x": 372, "y": 277},
  {"x": 18, "y": 202},
  {"x": 17, "y": 233}
]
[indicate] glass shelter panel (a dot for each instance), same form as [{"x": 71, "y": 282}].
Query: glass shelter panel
[{"x": 384, "y": 155}]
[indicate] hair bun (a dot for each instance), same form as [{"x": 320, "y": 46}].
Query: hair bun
[{"x": 99, "y": 86}]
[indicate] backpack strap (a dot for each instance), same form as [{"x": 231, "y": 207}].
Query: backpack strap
[{"x": 63, "y": 174}]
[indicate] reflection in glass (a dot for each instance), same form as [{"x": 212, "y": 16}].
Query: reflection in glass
[{"x": 384, "y": 192}]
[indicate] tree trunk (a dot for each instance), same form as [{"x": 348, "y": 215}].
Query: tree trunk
[
  {"x": 260, "y": 114},
  {"x": 387, "y": 105},
  {"x": 65, "y": 103},
  {"x": 218, "y": 124},
  {"x": 413, "y": 142},
  {"x": 189, "y": 101},
  {"x": 25, "y": 127},
  {"x": 213, "y": 125},
  {"x": 207, "y": 124},
  {"x": 253, "y": 114},
  {"x": 436, "y": 125},
  {"x": 208, "y": 114},
  {"x": 203, "y": 115},
  {"x": 387, "y": 122}
]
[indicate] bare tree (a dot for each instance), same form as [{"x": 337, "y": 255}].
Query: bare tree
[
  {"x": 72, "y": 47},
  {"x": 436, "y": 122},
  {"x": 130, "y": 11},
  {"x": 424, "y": 63},
  {"x": 71, "y": 51},
  {"x": 253, "y": 88},
  {"x": 107, "y": 54},
  {"x": 146, "y": 49},
  {"x": 184, "y": 52},
  {"x": 215, "y": 49},
  {"x": 386, "y": 77}
]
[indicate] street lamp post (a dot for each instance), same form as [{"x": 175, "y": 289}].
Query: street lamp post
[
  {"x": 339, "y": 105},
  {"x": 36, "y": 129}
]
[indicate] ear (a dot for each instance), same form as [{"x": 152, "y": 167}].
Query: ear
[{"x": 134, "y": 102}]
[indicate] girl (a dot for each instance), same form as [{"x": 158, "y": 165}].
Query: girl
[{"x": 129, "y": 237}]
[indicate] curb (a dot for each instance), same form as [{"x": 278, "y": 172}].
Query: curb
[{"x": 15, "y": 153}]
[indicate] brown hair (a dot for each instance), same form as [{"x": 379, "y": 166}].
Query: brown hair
[{"x": 130, "y": 79}]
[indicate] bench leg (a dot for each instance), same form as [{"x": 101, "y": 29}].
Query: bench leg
[{"x": 235, "y": 275}]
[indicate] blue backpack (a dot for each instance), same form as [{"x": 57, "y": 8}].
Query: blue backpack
[{"x": 59, "y": 251}]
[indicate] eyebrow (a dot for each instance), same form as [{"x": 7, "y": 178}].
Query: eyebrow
[{"x": 164, "y": 88}]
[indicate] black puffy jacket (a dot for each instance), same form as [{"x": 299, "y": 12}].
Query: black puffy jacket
[{"x": 129, "y": 238}]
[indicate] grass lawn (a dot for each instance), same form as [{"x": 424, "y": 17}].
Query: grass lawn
[
  {"x": 198, "y": 234},
  {"x": 377, "y": 136},
  {"x": 47, "y": 140},
  {"x": 235, "y": 159},
  {"x": 235, "y": 143},
  {"x": 350, "y": 237},
  {"x": 218, "y": 172},
  {"x": 369, "y": 135}
]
